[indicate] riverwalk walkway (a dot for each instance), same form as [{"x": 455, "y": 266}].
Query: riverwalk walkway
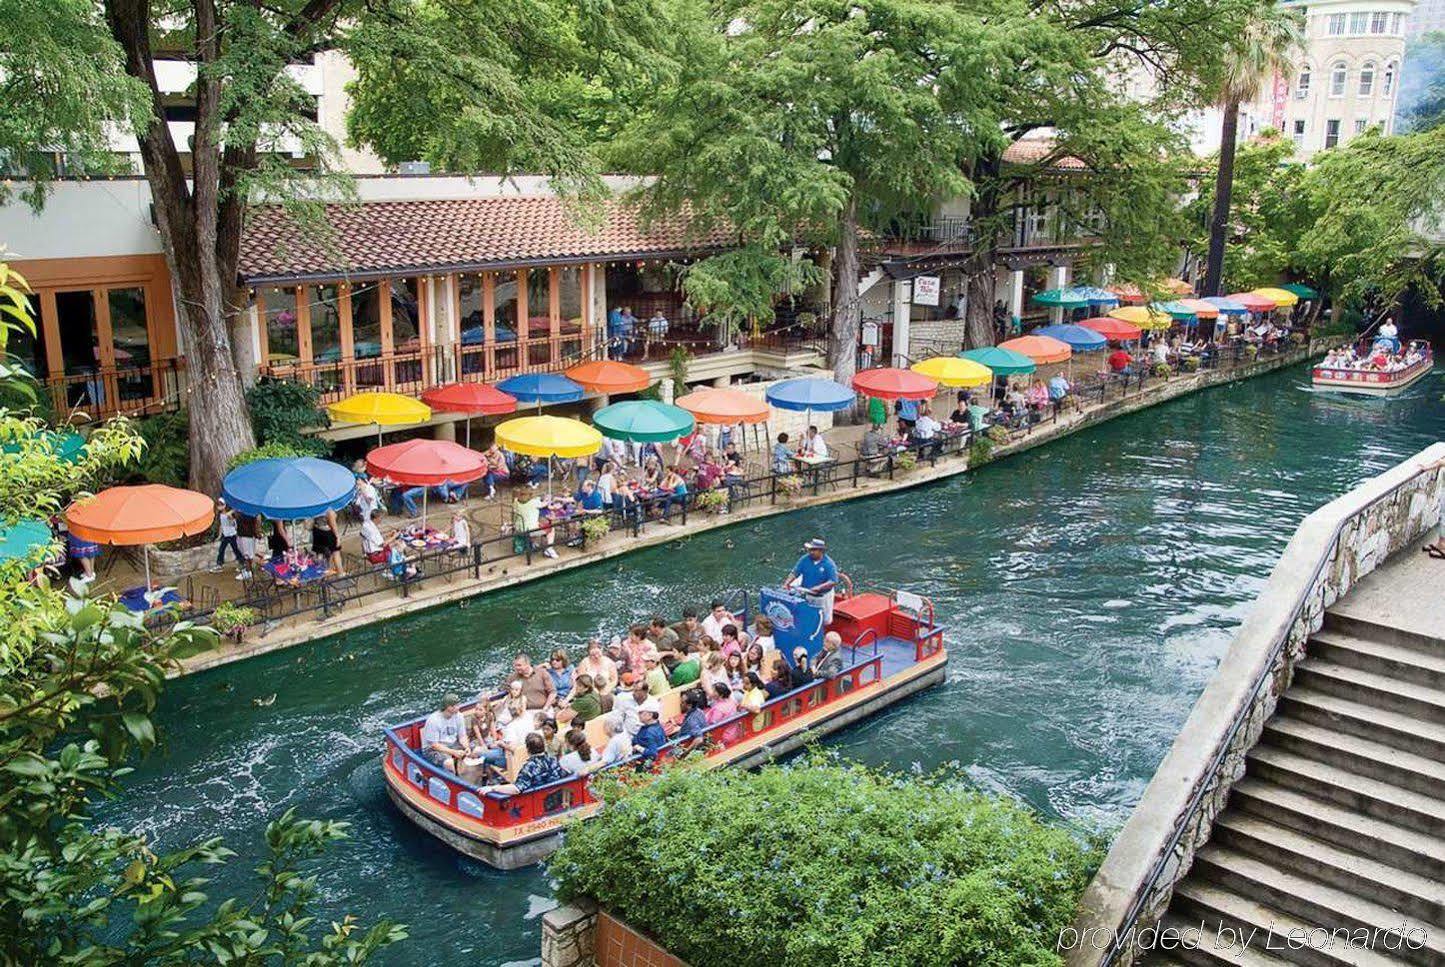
[{"x": 499, "y": 560}]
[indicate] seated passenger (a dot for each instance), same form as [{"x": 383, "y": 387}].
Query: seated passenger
[
  {"x": 619, "y": 742},
  {"x": 540, "y": 769},
  {"x": 656, "y": 677},
  {"x": 723, "y": 706},
  {"x": 799, "y": 674},
  {"x": 578, "y": 758},
  {"x": 687, "y": 671},
  {"x": 763, "y": 634},
  {"x": 600, "y": 668},
  {"x": 629, "y": 703},
  {"x": 650, "y": 738},
  {"x": 830, "y": 660},
  {"x": 486, "y": 737},
  {"x": 584, "y": 706},
  {"x": 755, "y": 694},
  {"x": 717, "y": 618},
  {"x": 694, "y": 719},
  {"x": 689, "y": 629},
  {"x": 553, "y": 739},
  {"x": 661, "y": 635},
  {"x": 443, "y": 735},
  {"x": 782, "y": 681},
  {"x": 732, "y": 643},
  {"x": 714, "y": 672}
]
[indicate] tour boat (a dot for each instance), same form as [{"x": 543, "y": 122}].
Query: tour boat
[
  {"x": 892, "y": 648},
  {"x": 1374, "y": 382}
]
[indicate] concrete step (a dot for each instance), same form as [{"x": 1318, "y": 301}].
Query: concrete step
[
  {"x": 1358, "y": 755},
  {"x": 1317, "y": 904},
  {"x": 1205, "y": 941},
  {"x": 1397, "y": 661},
  {"x": 1363, "y": 628},
  {"x": 1395, "y": 729},
  {"x": 1415, "y": 896},
  {"x": 1259, "y": 928},
  {"x": 1400, "y": 847},
  {"x": 1369, "y": 688},
  {"x": 1423, "y": 814}
]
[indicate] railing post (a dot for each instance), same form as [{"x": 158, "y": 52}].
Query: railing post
[
  {"x": 773, "y": 490},
  {"x": 477, "y": 561},
  {"x": 527, "y": 544}
]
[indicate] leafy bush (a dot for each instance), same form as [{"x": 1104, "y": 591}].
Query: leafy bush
[
  {"x": 1251, "y": 351},
  {"x": 714, "y": 500},
  {"x": 828, "y": 864},
  {"x": 232, "y": 619},
  {"x": 269, "y": 451},
  {"x": 791, "y": 485},
  {"x": 1297, "y": 338},
  {"x": 1163, "y": 369},
  {"x": 997, "y": 434},
  {"x": 1189, "y": 364},
  {"x": 905, "y": 461},
  {"x": 596, "y": 528},
  {"x": 166, "y": 458},
  {"x": 281, "y": 409},
  {"x": 980, "y": 451}
]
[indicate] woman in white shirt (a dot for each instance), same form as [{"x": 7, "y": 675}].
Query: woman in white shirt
[
  {"x": 579, "y": 758},
  {"x": 461, "y": 529},
  {"x": 619, "y": 743}
]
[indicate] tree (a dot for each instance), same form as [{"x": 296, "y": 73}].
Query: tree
[
  {"x": 1262, "y": 50},
  {"x": 464, "y": 82},
  {"x": 1422, "y": 88},
  {"x": 79, "y": 679}
]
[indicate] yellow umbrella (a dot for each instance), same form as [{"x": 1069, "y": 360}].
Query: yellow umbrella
[
  {"x": 382, "y": 409},
  {"x": 1283, "y": 297},
  {"x": 1143, "y": 317},
  {"x": 954, "y": 371},
  {"x": 549, "y": 436}
]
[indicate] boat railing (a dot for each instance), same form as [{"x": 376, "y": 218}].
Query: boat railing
[
  {"x": 507, "y": 810},
  {"x": 860, "y": 642}
]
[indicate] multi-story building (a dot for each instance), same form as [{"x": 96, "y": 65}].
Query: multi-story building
[
  {"x": 1427, "y": 17},
  {"x": 1347, "y": 78}
]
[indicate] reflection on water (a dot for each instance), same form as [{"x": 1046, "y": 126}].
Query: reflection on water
[{"x": 1089, "y": 589}]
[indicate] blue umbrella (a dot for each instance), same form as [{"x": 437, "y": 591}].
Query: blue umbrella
[
  {"x": 289, "y": 488},
  {"x": 541, "y": 388},
  {"x": 1227, "y": 306},
  {"x": 1098, "y": 296},
  {"x": 822, "y": 395},
  {"x": 1079, "y": 338}
]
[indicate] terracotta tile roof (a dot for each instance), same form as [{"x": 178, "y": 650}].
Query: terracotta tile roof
[
  {"x": 1030, "y": 151},
  {"x": 438, "y": 235}
]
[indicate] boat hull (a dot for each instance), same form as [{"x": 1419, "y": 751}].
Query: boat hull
[
  {"x": 513, "y": 847},
  {"x": 1366, "y": 383}
]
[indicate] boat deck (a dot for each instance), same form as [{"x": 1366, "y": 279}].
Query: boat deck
[{"x": 897, "y": 653}]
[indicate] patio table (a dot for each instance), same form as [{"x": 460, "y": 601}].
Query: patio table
[{"x": 134, "y": 599}]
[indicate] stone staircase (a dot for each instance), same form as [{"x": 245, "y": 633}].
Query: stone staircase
[{"x": 1339, "y": 821}]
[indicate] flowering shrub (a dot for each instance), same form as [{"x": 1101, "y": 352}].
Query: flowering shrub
[
  {"x": 596, "y": 528},
  {"x": 1189, "y": 364},
  {"x": 791, "y": 485},
  {"x": 827, "y": 863},
  {"x": 1163, "y": 369},
  {"x": 713, "y": 500}
]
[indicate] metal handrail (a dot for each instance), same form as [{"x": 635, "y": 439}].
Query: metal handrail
[{"x": 1222, "y": 752}]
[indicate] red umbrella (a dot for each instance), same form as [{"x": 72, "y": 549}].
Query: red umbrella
[
  {"x": 1114, "y": 330},
  {"x": 478, "y": 398},
  {"x": 887, "y": 383},
  {"x": 426, "y": 463},
  {"x": 1129, "y": 294}
]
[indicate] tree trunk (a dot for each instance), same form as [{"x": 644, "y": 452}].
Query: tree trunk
[
  {"x": 1223, "y": 185},
  {"x": 847, "y": 308},
  {"x": 978, "y": 327},
  {"x": 979, "y": 271},
  {"x": 200, "y": 241}
]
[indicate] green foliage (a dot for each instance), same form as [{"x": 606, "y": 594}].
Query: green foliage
[
  {"x": 282, "y": 410},
  {"x": 790, "y": 485},
  {"x": 828, "y": 864},
  {"x": 740, "y": 287},
  {"x": 713, "y": 500},
  {"x": 230, "y": 618},
  {"x": 1189, "y": 364},
  {"x": 596, "y": 528},
  {"x": 997, "y": 434},
  {"x": 1422, "y": 90},
  {"x": 677, "y": 366},
  {"x": 1162, "y": 369},
  {"x": 980, "y": 451},
  {"x": 166, "y": 458},
  {"x": 905, "y": 461},
  {"x": 269, "y": 451}
]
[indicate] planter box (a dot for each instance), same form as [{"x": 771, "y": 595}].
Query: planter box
[{"x": 168, "y": 567}]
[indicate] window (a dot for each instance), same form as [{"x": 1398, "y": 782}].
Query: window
[
  {"x": 1332, "y": 133},
  {"x": 1302, "y": 83},
  {"x": 1388, "y": 83},
  {"x": 130, "y": 339},
  {"x": 281, "y": 342},
  {"x": 1367, "y": 79},
  {"x": 1358, "y": 22},
  {"x": 1335, "y": 25},
  {"x": 1299, "y": 134},
  {"x": 1339, "y": 74},
  {"x": 504, "y": 302},
  {"x": 1397, "y": 23},
  {"x": 1379, "y": 22},
  {"x": 569, "y": 291},
  {"x": 1360, "y": 125}
]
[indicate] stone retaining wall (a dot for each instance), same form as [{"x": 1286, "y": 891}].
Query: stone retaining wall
[
  {"x": 1331, "y": 551},
  {"x": 581, "y": 935}
]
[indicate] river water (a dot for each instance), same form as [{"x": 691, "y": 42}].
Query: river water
[{"x": 1089, "y": 589}]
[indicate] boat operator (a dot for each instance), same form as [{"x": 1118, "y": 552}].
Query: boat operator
[{"x": 816, "y": 576}]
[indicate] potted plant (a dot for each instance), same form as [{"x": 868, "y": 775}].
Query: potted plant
[
  {"x": 596, "y": 528},
  {"x": 713, "y": 501},
  {"x": 1190, "y": 364},
  {"x": 905, "y": 461},
  {"x": 231, "y": 620},
  {"x": 1251, "y": 351},
  {"x": 1163, "y": 369},
  {"x": 790, "y": 485}
]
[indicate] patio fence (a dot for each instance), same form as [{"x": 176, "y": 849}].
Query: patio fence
[{"x": 331, "y": 596}]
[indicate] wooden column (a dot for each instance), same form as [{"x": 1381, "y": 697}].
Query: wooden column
[
  {"x": 383, "y": 306},
  {"x": 524, "y": 323},
  {"x": 348, "y": 338},
  {"x": 423, "y": 327},
  {"x": 263, "y": 333},
  {"x": 304, "y": 357},
  {"x": 489, "y": 326},
  {"x": 554, "y": 313},
  {"x": 105, "y": 353}
]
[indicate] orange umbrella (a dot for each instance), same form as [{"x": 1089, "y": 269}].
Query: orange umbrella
[
  {"x": 1177, "y": 287},
  {"x": 1202, "y": 309},
  {"x": 1129, "y": 294},
  {"x": 724, "y": 406},
  {"x": 1041, "y": 349},
  {"x": 610, "y": 376},
  {"x": 140, "y": 515}
]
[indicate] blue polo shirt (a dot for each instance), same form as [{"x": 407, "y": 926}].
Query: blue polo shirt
[
  {"x": 592, "y": 501},
  {"x": 815, "y": 573}
]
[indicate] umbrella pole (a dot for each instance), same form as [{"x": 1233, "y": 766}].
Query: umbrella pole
[
  {"x": 145, "y": 551},
  {"x": 469, "y": 432},
  {"x": 425, "y": 492}
]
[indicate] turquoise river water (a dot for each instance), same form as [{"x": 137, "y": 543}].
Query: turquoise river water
[{"x": 1089, "y": 587}]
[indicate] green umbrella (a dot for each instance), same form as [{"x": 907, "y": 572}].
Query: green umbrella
[
  {"x": 643, "y": 421},
  {"x": 65, "y": 445},
  {"x": 25, "y": 540},
  {"x": 1301, "y": 290},
  {"x": 1003, "y": 362},
  {"x": 1175, "y": 310},
  {"x": 1063, "y": 298}
]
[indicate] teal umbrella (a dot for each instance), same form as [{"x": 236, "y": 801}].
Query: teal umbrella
[
  {"x": 25, "y": 540},
  {"x": 1003, "y": 362},
  {"x": 66, "y": 445},
  {"x": 1063, "y": 298},
  {"x": 1175, "y": 310},
  {"x": 1301, "y": 290},
  {"x": 643, "y": 421}
]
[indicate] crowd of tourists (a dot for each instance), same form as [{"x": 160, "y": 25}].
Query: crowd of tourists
[{"x": 536, "y": 731}]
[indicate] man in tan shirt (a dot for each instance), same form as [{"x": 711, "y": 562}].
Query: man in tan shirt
[{"x": 537, "y": 686}]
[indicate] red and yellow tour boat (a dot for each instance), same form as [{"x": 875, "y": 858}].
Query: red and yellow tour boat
[
  {"x": 1369, "y": 380},
  {"x": 892, "y": 648}
]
